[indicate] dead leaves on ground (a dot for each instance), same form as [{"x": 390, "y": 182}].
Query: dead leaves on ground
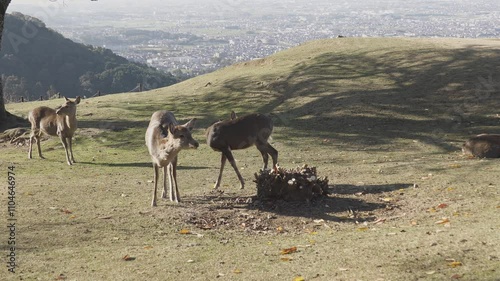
[
  {"x": 288, "y": 251},
  {"x": 128, "y": 258}
]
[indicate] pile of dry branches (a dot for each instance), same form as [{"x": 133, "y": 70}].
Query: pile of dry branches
[{"x": 299, "y": 184}]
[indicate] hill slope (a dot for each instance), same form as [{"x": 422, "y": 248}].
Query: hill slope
[
  {"x": 383, "y": 119},
  {"x": 364, "y": 91},
  {"x": 37, "y": 61}
]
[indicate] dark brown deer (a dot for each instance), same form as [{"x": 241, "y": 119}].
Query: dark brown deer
[
  {"x": 483, "y": 146},
  {"x": 240, "y": 133},
  {"x": 165, "y": 138},
  {"x": 54, "y": 122}
]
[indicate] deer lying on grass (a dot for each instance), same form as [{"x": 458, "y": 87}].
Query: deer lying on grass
[
  {"x": 165, "y": 139},
  {"x": 239, "y": 133},
  {"x": 483, "y": 146},
  {"x": 54, "y": 122}
]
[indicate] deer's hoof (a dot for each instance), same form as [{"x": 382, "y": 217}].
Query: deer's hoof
[{"x": 153, "y": 204}]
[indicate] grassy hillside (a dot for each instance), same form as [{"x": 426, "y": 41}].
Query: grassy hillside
[{"x": 384, "y": 119}]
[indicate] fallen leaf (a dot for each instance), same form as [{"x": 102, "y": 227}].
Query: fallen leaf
[
  {"x": 430, "y": 272},
  {"x": 456, "y": 276},
  {"x": 289, "y": 251},
  {"x": 343, "y": 269},
  {"x": 455, "y": 166},
  {"x": 66, "y": 211},
  {"x": 443, "y": 221},
  {"x": 431, "y": 210},
  {"x": 128, "y": 258},
  {"x": 279, "y": 229},
  {"x": 61, "y": 277},
  {"x": 455, "y": 264},
  {"x": 237, "y": 271},
  {"x": 105, "y": 218},
  {"x": 363, "y": 228},
  {"x": 148, "y": 247},
  {"x": 386, "y": 199},
  {"x": 379, "y": 221},
  {"x": 185, "y": 231},
  {"x": 286, "y": 259},
  {"x": 299, "y": 278},
  {"x": 414, "y": 223},
  {"x": 442, "y": 205},
  {"x": 72, "y": 217},
  {"x": 450, "y": 189},
  {"x": 190, "y": 261}
]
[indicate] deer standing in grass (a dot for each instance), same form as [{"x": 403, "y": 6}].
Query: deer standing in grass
[
  {"x": 165, "y": 138},
  {"x": 240, "y": 133},
  {"x": 54, "y": 122},
  {"x": 483, "y": 146}
]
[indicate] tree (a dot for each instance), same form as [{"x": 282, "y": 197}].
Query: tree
[{"x": 4, "y": 115}]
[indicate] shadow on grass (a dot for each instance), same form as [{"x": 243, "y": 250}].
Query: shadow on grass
[
  {"x": 327, "y": 208},
  {"x": 361, "y": 99},
  {"x": 142, "y": 165},
  {"x": 367, "y": 189}
]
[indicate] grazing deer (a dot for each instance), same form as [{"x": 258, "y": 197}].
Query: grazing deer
[
  {"x": 483, "y": 146},
  {"x": 239, "y": 133},
  {"x": 54, "y": 122},
  {"x": 165, "y": 138}
]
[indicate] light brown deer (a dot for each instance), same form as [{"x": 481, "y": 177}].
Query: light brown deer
[
  {"x": 54, "y": 122},
  {"x": 165, "y": 138},
  {"x": 240, "y": 133},
  {"x": 483, "y": 146}
]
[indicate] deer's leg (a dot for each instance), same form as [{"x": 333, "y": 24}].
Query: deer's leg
[
  {"x": 175, "y": 189},
  {"x": 230, "y": 157},
  {"x": 32, "y": 138},
  {"x": 70, "y": 145},
  {"x": 166, "y": 172},
  {"x": 274, "y": 154},
  {"x": 265, "y": 157},
  {"x": 222, "y": 163},
  {"x": 266, "y": 149},
  {"x": 155, "y": 180},
  {"x": 36, "y": 135},
  {"x": 65, "y": 144},
  {"x": 37, "y": 139}
]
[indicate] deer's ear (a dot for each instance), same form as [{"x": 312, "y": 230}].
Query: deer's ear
[
  {"x": 171, "y": 128},
  {"x": 233, "y": 115},
  {"x": 66, "y": 98},
  {"x": 77, "y": 101},
  {"x": 190, "y": 124}
]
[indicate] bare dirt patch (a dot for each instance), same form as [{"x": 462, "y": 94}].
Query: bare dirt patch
[{"x": 345, "y": 204}]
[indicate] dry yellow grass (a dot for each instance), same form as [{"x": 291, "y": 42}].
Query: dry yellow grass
[{"x": 382, "y": 118}]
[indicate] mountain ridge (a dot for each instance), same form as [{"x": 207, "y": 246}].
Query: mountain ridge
[{"x": 37, "y": 61}]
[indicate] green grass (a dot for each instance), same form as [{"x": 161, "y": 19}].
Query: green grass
[{"x": 384, "y": 119}]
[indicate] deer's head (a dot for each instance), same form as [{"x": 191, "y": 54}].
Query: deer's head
[{"x": 69, "y": 107}]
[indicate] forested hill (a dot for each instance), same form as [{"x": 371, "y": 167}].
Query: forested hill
[{"x": 37, "y": 61}]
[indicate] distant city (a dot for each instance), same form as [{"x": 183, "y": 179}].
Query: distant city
[{"x": 196, "y": 37}]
